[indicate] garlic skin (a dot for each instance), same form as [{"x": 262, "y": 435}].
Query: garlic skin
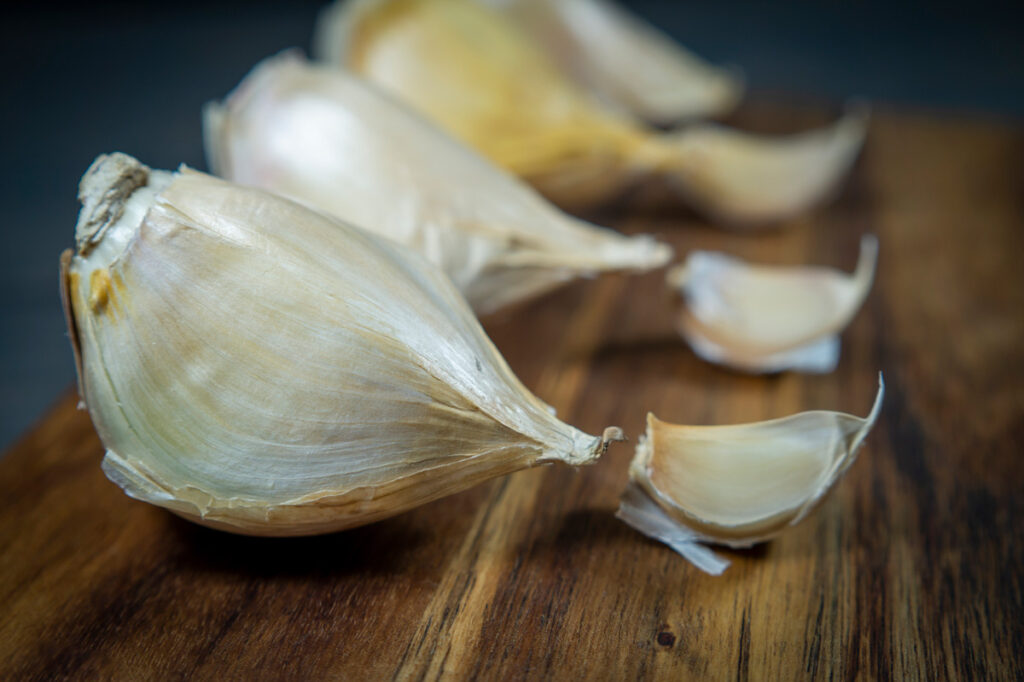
[
  {"x": 737, "y": 485},
  {"x": 743, "y": 179},
  {"x": 625, "y": 61},
  {"x": 259, "y": 367},
  {"x": 473, "y": 71},
  {"x": 323, "y": 137},
  {"x": 762, "y": 318}
]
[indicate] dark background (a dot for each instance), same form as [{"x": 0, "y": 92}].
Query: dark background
[{"x": 82, "y": 80}]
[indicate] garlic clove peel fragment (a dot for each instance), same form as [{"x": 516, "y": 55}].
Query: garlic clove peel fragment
[
  {"x": 759, "y": 318},
  {"x": 257, "y": 366},
  {"x": 327, "y": 139},
  {"x": 474, "y": 71},
  {"x": 625, "y": 61},
  {"x": 745, "y": 179},
  {"x": 737, "y": 485}
]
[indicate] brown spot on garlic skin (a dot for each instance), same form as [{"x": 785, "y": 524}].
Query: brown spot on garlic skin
[
  {"x": 666, "y": 639},
  {"x": 105, "y": 293},
  {"x": 99, "y": 290}
]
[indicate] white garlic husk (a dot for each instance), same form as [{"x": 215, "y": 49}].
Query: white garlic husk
[
  {"x": 762, "y": 318},
  {"x": 259, "y": 367},
  {"x": 325, "y": 138},
  {"x": 740, "y": 484},
  {"x": 744, "y": 179},
  {"x": 626, "y": 61}
]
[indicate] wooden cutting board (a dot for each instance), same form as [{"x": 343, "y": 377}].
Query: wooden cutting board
[{"x": 912, "y": 569}]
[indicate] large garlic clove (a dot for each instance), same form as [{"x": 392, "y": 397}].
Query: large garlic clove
[
  {"x": 474, "y": 72},
  {"x": 625, "y": 61},
  {"x": 742, "y": 178},
  {"x": 760, "y": 318},
  {"x": 327, "y": 139},
  {"x": 737, "y": 485},
  {"x": 468, "y": 69},
  {"x": 260, "y": 367}
]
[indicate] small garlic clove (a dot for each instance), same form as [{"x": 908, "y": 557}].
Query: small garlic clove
[
  {"x": 474, "y": 72},
  {"x": 759, "y": 318},
  {"x": 745, "y": 179},
  {"x": 740, "y": 484},
  {"x": 325, "y": 138},
  {"x": 256, "y": 366},
  {"x": 625, "y": 61}
]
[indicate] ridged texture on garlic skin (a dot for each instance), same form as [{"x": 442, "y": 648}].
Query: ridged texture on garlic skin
[
  {"x": 259, "y": 367},
  {"x": 472, "y": 70},
  {"x": 761, "y": 318},
  {"x": 625, "y": 61},
  {"x": 739, "y": 484},
  {"x": 325, "y": 138}
]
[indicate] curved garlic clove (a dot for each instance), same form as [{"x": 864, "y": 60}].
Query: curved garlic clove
[
  {"x": 742, "y": 178},
  {"x": 740, "y": 484},
  {"x": 325, "y": 138},
  {"x": 626, "y": 61},
  {"x": 760, "y": 318},
  {"x": 259, "y": 367},
  {"x": 474, "y": 72}
]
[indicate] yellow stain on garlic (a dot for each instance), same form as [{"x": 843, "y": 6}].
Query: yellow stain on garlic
[
  {"x": 104, "y": 292},
  {"x": 99, "y": 289}
]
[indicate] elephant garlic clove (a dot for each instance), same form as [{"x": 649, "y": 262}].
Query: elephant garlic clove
[
  {"x": 625, "y": 61},
  {"x": 759, "y": 318},
  {"x": 742, "y": 178},
  {"x": 260, "y": 367},
  {"x": 476, "y": 73},
  {"x": 740, "y": 484},
  {"x": 325, "y": 138},
  {"x": 471, "y": 70}
]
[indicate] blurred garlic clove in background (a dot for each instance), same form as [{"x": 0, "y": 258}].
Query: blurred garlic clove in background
[
  {"x": 625, "y": 61},
  {"x": 744, "y": 179},
  {"x": 477, "y": 74},
  {"x": 326, "y": 138},
  {"x": 763, "y": 318}
]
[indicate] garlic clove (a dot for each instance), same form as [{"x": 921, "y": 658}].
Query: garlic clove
[
  {"x": 626, "y": 61},
  {"x": 323, "y": 137},
  {"x": 740, "y": 484},
  {"x": 741, "y": 178},
  {"x": 469, "y": 69},
  {"x": 474, "y": 72},
  {"x": 256, "y": 366},
  {"x": 760, "y": 318}
]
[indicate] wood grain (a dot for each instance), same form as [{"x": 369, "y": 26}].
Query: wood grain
[{"x": 911, "y": 570}]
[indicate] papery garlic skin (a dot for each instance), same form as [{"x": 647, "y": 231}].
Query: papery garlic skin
[
  {"x": 741, "y": 484},
  {"x": 475, "y": 73},
  {"x": 626, "y": 61},
  {"x": 744, "y": 179},
  {"x": 259, "y": 367},
  {"x": 760, "y": 318},
  {"x": 323, "y": 137}
]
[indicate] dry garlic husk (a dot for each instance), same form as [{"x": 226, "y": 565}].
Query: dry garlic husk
[
  {"x": 325, "y": 138},
  {"x": 741, "y": 179},
  {"x": 625, "y": 61},
  {"x": 737, "y": 485},
  {"x": 472, "y": 70},
  {"x": 761, "y": 318},
  {"x": 259, "y": 367}
]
